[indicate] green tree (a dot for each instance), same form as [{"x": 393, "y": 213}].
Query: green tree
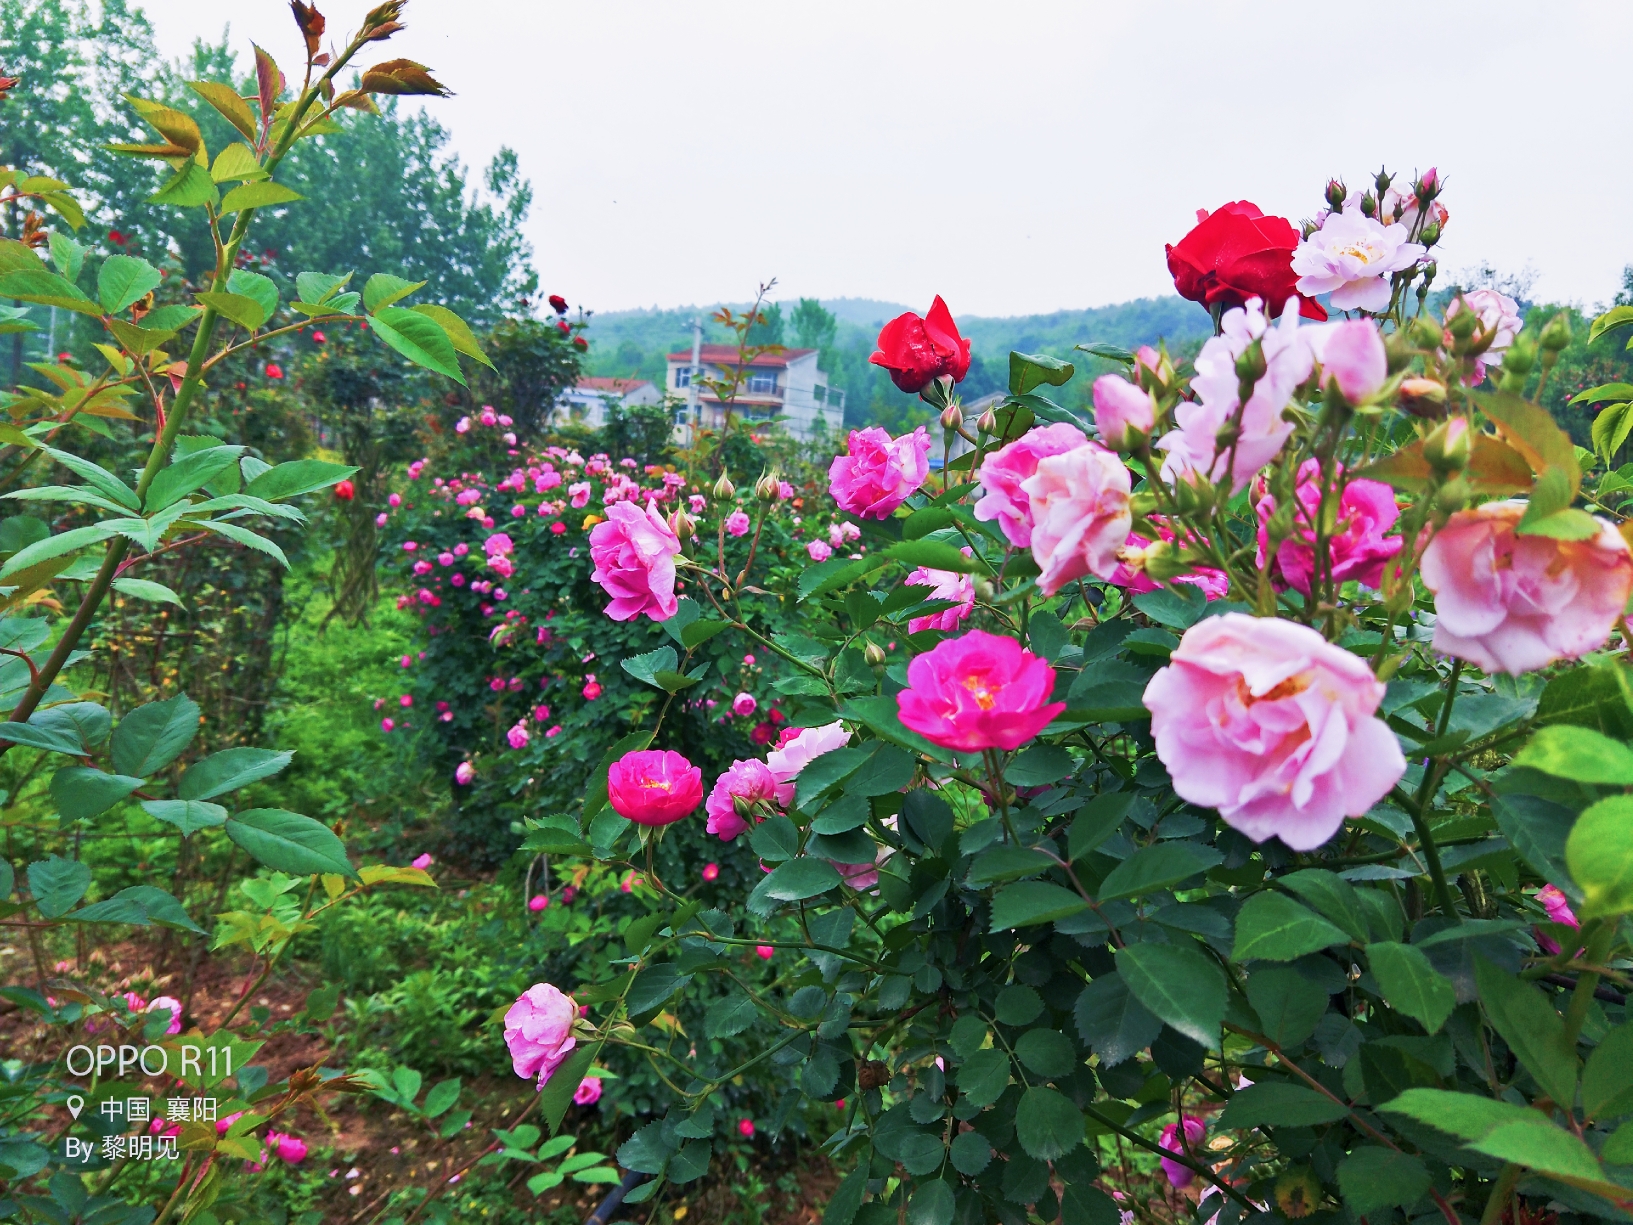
[{"x": 814, "y": 326}]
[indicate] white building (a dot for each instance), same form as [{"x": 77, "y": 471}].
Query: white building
[
  {"x": 588, "y": 401},
  {"x": 783, "y": 387}
]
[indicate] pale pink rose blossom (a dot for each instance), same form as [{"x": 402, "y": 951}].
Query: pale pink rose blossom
[
  {"x": 1512, "y": 603},
  {"x": 1273, "y": 726},
  {"x": 634, "y": 553},
  {"x": 819, "y": 550},
  {"x": 1123, "y": 413},
  {"x": 1357, "y": 545},
  {"x": 750, "y": 780},
  {"x": 1351, "y": 354},
  {"x": 1194, "y": 447},
  {"x": 579, "y": 494},
  {"x": 877, "y": 473},
  {"x": 1130, "y": 572},
  {"x": 1003, "y": 471},
  {"x": 1080, "y": 513},
  {"x": 539, "y": 1031},
  {"x": 1499, "y": 315},
  {"x": 737, "y": 524},
  {"x": 945, "y": 585},
  {"x": 1352, "y": 257},
  {"x": 798, "y": 749}
]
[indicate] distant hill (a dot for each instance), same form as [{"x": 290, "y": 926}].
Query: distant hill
[{"x": 635, "y": 342}]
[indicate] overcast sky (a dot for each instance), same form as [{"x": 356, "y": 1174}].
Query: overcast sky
[{"x": 1014, "y": 157}]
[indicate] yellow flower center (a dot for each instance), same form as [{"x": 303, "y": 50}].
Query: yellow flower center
[{"x": 985, "y": 696}]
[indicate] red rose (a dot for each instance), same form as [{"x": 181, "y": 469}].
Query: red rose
[
  {"x": 345, "y": 491},
  {"x": 919, "y": 351},
  {"x": 581, "y": 342},
  {"x": 1236, "y": 253},
  {"x": 564, "y": 326},
  {"x": 558, "y": 304},
  {"x": 274, "y": 371},
  {"x": 116, "y": 238}
]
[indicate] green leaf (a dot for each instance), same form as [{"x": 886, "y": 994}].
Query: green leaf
[
  {"x": 1040, "y": 765},
  {"x": 932, "y": 1203},
  {"x": 691, "y": 1163},
  {"x": 1273, "y": 927},
  {"x": 297, "y": 476},
  {"x": 1178, "y": 610},
  {"x": 442, "y": 1097},
  {"x": 1096, "y": 821},
  {"x": 1032, "y": 902},
  {"x": 1031, "y": 370},
  {"x": 1605, "y": 391},
  {"x": 776, "y": 839},
  {"x": 289, "y": 842},
  {"x": 245, "y": 537},
  {"x": 1157, "y": 867},
  {"x": 1047, "y": 1124},
  {"x": 229, "y": 770},
  {"x": 144, "y": 589},
  {"x": 1113, "y": 1022},
  {"x": 970, "y": 1153},
  {"x": 233, "y": 108},
  {"x": 984, "y": 1076},
  {"x": 558, "y": 1091},
  {"x": 57, "y": 883},
  {"x": 729, "y": 1016},
  {"x": 1521, "y": 1013},
  {"x": 189, "y": 474},
  {"x": 123, "y": 279},
  {"x": 189, "y": 187},
  {"x": 38, "y": 735},
  {"x": 383, "y": 289},
  {"x": 259, "y": 289},
  {"x": 243, "y": 310},
  {"x": 935, "y": 554},
  {"x": 459, "y": 332},
  {"x": 1277, "y": 1103},
  {"x": 98, "y": 477},
  {"x": 67, "y": 255},
  {"x": 652, "y": 986},
  {"x": 420, "y": 339},
  {"x": 646, "y": 667},
  {"x": 319, "y": 287},
  {"x": 1599, "y": 853},
  {"x": 1615, "y": 317},
  {"x": 1047, "y": 1052},
  {"x": 847, "y": 1197},
  {"x": 80, "y": 792},
  {"x": 1333, "y": 896},
  {"x": 236, "y": 163},
  {"x": 1289, "y": 1005},
  {"x": 1618, "y": 1149},
  {"x": 1607, "y": 1081},
  {"x": 1412, "y": 985},
  {"x": 1005, "y": 863},
  {"x": 1502, "y": 1130},
  {"x": 150, "y": 737},
  {"x": 793, "y": 881},
  {"x": 262, "y": 194},
  {"x": 161, "y": 908},
  {"x": 171, "y": 318},
  {"x": 1179, "y": 985},
  {"x": 186, "y": 815},
  {"x": 47, "y": 289},
  {"x": 1373, "y": 1178}
]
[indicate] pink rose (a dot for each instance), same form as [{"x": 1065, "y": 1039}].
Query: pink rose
[
  {"x": 1499, "y": 315},
  {"x": 654, "y": 787},
  {"x": 750, "y": 781},
  {"x": 291, "y": 1149},
  {"x": 538, "y": 902},
  {"x": 1272, "y": 725},
  {"x": 1123, "y": 413},
  {"x": 539, "y": 1031},
  {"x": 588, "y": 1092},
  {"x": 1181, "y": 1176},
  {"x": 744, "y": 705},
  {"x": 819, "y": 550},
  {"x": 422, "y": 862},
  {"x": 737, "y": 524},
  {"x": 1080, "y": 514},
  {"x": 174, "y": 1005},
  {"x": 464, "y": 772},
  {"x": 879, "y": 472},
  {"x": 798, "y": 748},
  {"x": 579, "y": 493},
  {"x": 1352, "y": 355},
  {"x": 862, "y": 877},
  {"x": 1511, "y": 603},
  {"x": 634, "y": 555},
  {"x": 711, "y": 871},
  {"x": 978, "y": 692},
  {"x": 745, "y": 1128},
  {"x": 945, "y": 585},
  {"x": 1357, "y": 546},
  {"x": 1003, "y": 471},
  {"x": 764, "y": 951},
  {"x": 1130, "y": 572},
  {"x": 1559, "y": 910}
]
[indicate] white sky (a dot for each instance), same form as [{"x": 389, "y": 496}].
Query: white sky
[{"x": 1014, "y": 157}]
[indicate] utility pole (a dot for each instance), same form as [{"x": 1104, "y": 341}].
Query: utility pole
[{"x": 692, "y": 408}]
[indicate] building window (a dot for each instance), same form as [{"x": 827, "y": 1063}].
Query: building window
[
  {"x": 762, "y": 382},
  {"x": 683, "y": 377}
]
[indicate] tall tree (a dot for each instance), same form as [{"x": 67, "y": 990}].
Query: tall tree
[{"x": 814, "y": 325}]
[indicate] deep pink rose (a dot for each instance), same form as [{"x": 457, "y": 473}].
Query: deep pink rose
[
  {"x": 1510, "y": 603},
  {"x": 1123, "y": 413},
  {"x": 1003, "y": 471},
  {"x": 879, "y": 472},
  {"x": 1130, "y": 572},
  {"x": 654, "y": 786},
  {"x": 539, "y": 1031},
  {"x": 634, "y": 555},
  {"x": 173, "y": 1005},
  {"x": 918, "y": 351},
  {"x": 945, "y": 585},
  {"x": 737, "y": 524},
  {"x": 744, "y": 705},
  {"x": 1181, "y": 1176},
  {"x": 798, "y": 748},
  {"x": 1358, "y": 546},
  {"x": 1268, "y": 722},
  {"x": 1559, "y": 910},
  {"x": 749, "y": 780},
  {"x": 978, "y": 692},
  {"x": 291, "y": 1149},
  {"x": 588, "y": 1092},
  {"x": 1080, "y": 514}
]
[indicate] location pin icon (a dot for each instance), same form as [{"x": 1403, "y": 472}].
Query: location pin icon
[{"x": 75, "y": 1104}]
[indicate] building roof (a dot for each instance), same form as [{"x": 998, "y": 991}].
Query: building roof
[
  {"x": 726, "y": 355},
  {"x": 620, "y": 387}
]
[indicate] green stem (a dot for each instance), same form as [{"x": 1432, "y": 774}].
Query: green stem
[{"x": 1501, "y": 1194}]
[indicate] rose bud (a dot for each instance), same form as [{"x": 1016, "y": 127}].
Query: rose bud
[
  {"x": 952, "y": 417},
  {"x": 1447, "y": 449},
  {"x": 345, "y": 491},
  {"x": 1336, "y": 191},
  {"x": 766, "y": 488},
  {"x": 723, "y": 488},
  {"x": 1556, "y": 333},
  {"x": 987, "y": 422}
]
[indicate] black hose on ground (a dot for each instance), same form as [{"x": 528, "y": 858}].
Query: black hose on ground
[{"x": 610, "y": 1205}]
